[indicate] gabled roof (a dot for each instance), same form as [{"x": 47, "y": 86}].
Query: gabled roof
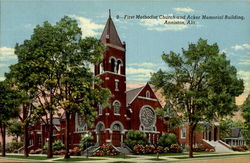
[
  {"x": 132, "y": 94},
  {"x": 110, "y": 35}
]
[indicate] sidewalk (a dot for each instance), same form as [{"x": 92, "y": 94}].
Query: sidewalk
[{"x": 142, "y": 158}]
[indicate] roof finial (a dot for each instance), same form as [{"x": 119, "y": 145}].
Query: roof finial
[{"x": 109, "y": 13}]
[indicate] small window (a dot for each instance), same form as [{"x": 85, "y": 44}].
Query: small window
[
  {"x": 117, "y": 106},
  {"x": 101, "y": 68},
  {"x": 183, "y": 132},
  {"x": 148, "y": 94},
  {"x": 100, "y": 109},
  {"x": 116, "y": 85},
  {"x": 118, "y": 67},
  {"x": 39, "y": 140},
  {"x": 113, "y": 65}
]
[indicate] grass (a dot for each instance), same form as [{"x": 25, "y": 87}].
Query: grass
[
  {"x": 212, "y": 155},
  {"x": 30, "y": 157},
  {"x": 166, "y": 154},
  {"x": 118, "y": 156},
  {"x": 78, "y": 159},
  {"x": 156, "y": 159}
]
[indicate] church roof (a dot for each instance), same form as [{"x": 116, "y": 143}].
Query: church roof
[
  {"x": 110, "y": 35},
  {"x": 131, "y": 94}
]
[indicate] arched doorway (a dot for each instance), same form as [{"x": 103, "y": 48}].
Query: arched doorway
[
  {"x": 100, "y": 133},
  {"x": 116, "y": 128}
]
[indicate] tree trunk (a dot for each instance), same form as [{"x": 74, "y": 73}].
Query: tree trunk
[
  {"x": 26, "y": 140},
  {"x": 67, "y": 155},
  {"x": 3, "y": 131},
  {"x": 191, "y": 134},
  {"x": 50, "y": 151},
  {"x": 26, "y": 131}
]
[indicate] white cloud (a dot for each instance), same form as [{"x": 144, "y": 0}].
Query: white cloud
[
  {"x": 159, "y": 24},
  {"x": 131, "y": 70},
  {"x": 7, "y": 53},
  {"x": 241, "y": 47},
  {"x": 183, "y": 10},
  {"x": 89, "y": 28},
  {"x": 245, "y": 62},
  {"x": 245, "y": 75},
  {"x": 2, "y": 78}
]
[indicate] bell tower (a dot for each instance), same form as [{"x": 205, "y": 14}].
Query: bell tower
[{"x": 112, "y": 72}]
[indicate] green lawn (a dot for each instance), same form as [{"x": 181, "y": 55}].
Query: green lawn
[
  {"x": 78, "y": 159},
  {"x": 30, "y": 157},
  {"x": 156, "y": 159},
  {"x": 118, "y": 156}
]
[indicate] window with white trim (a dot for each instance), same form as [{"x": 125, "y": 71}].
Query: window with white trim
[
  {"x": 148, "y": 94},
  {"x": 116, "y": 85},
  {"x": 183, "y": 133},
  {"x": 100, "y": 109},
  {"x": 117, "y": 106}
]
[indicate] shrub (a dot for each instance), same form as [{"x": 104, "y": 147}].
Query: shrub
[
  {"x": 148, "y": 149},
  {"x": 106, "y": 150},
  {"x": 239, "y": 148},
  {"x": 167, "y": 139},
  {"x": 175, "y": 148},
  {"x": 75, "y": 151},
  {"x": 13, "y": 146},
  {"x": 57, "y": 146},
  {"x": 135, "y": 137},
  {"x": 86, "y": 141},
  {"x": 199, "y": 148}
]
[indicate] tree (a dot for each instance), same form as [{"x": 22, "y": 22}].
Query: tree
[
  {"x": 9, "y": 102},
  {"x": 200, "y": 83},
  {"x": 246, "y": 116},
  {"x": 15, "y": 129},
  {"x": 53, "y": 67}
]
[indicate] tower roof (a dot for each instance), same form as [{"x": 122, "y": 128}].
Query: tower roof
[{"x": 110, "y": 35}]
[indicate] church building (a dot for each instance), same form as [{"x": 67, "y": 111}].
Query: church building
[{"x": 128, "y": 110}]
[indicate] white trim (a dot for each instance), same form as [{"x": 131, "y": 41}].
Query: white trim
[
  {"x": 99, "y": 123},
  {"x": 106, "y": 72},
  {"x": 117, "y": 122},
  {"x": 119, "y": 59},
  {"x": 113, "y": 104},
  {"x": 145, "y": 98},
  {"x": 185, "y": 129},
  {"x": 155, "y": 119},
  {"x": 115, "y": 46},
  {"x": 106, "y": 78}
]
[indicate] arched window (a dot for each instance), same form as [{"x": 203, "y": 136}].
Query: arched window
[
  {"x": 148, "y": 94},
  {"x": 116, "y": 127},
  {"x": 113, "y": 64},
  {"x": 118, "y": 66},
  {"x": 101, "y": 68},
  {"x": 116, "y": 106},
  {"x": 100, "y": 109}
]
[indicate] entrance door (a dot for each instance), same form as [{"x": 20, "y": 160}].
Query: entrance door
[
  {"x": 209, "y": 136},
  {"x": 101, "y": 138},
  {"x": 215, "y": 133},
  {"x": 116, "y": 138}
]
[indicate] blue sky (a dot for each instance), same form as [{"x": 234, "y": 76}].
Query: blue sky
[{"x": 146, "y": 39}]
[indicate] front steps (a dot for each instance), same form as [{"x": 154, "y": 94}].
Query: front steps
[{"x": 219, "y": 146}]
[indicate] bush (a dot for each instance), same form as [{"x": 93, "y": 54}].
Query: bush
[
  {"x": 199, "y": 148},
  {"x": 148, "y": 149},
  {"x": 175, "y": 148},
  {"x": 75, "y": 151},
  {"x": 13, "y": 146},
  {"x": 239, "y": 148},
  {"x": 167, "y": 139},
  {"x": 57, "y": 146},
  {"x": 135, "y": 137},
  {"x": 86, "y": 141},
  {"x": 106, "y": 150}
]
